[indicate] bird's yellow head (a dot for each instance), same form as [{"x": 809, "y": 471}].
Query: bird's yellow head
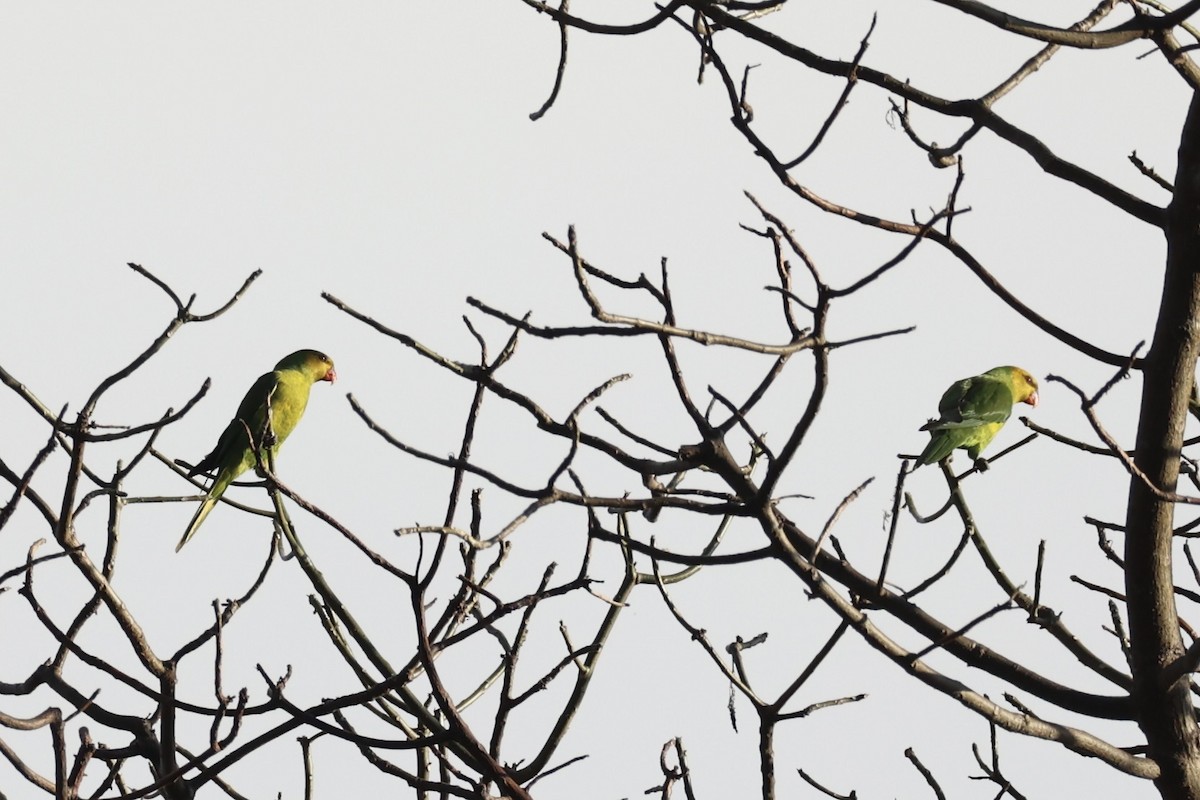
[
  {"x": 1024, "y": 386},
  {"x": 314, "y": 363}
]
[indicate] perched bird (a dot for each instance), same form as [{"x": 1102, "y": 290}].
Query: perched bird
[
  {"x": 974, "y": 410},
  {"x": 285, "y": 392}
]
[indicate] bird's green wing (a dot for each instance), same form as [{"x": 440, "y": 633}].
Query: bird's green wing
[
  {"x": 234, "y": 441},
  {"x": 973, "y": 401},
  {"x": 253, "y": 410},
  {"x": 986, "y": 401},
  {"x": 972, "y": 411},
  {"x": 233, "y": 454},
  {"x": 952, "y": 398}
]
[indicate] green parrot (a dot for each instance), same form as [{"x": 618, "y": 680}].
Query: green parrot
[
  {"x": 974, "y": 410},
  {"x": 286, "y": 390}
]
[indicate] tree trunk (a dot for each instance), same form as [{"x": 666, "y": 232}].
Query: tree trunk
[{"x": 1165, "y": 713}]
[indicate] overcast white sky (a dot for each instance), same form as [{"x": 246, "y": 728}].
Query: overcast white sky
[{"x": 383, "y": 152}]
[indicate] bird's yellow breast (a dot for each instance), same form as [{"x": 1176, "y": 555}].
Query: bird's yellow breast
[{"x": 288, "y": 402}]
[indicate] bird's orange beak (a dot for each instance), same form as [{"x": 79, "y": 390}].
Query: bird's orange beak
[
  {"x": 1032, "y": 400},
  {"x": 330, "y": 376}
]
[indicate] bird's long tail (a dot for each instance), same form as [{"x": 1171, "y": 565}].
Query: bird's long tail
[
  {"x": 941, "y": 444},
  {"x": 202, "y": 512}
]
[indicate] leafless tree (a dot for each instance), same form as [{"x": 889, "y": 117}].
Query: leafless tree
[{"x": 439, "y": 717}]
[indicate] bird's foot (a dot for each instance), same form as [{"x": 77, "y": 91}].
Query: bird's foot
[{"x": 981, "y": 464}]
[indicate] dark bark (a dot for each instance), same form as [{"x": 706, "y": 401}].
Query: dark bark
[{"x": 1165, "y": 711}]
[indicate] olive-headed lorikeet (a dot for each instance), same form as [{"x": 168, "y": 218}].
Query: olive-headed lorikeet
[
  {"x": 974, "y": 410},
  {"x": 285, "y": 392}
]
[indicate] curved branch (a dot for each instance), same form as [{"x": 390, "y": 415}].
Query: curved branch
[
  {"x": 1141, "y": 27},
  {"x": 563, "y": 18}
]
